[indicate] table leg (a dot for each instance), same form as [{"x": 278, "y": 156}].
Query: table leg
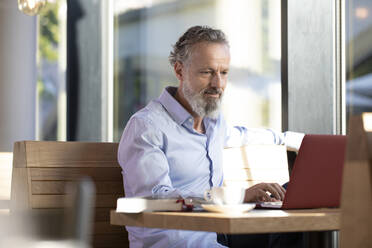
[{"x": 321, "y": 239}]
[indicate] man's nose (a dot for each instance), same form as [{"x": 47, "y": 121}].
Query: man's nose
[{"x": 217, "y": 81}]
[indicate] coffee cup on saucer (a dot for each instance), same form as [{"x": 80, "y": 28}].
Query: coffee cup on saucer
[{"x": 225, "y": 195}]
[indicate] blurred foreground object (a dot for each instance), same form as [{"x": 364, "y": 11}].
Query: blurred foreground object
[
  {"x": 43, "y": 169},
  {"x": 68, "y": 227},
  {"x": 80, "y": 213},
  {"x": 356, "y": 200},
  {"x": 31, "y": 7}
]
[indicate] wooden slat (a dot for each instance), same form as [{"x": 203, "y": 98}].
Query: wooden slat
[
  {"x": 59, "y": 201},
  {"x": 74, "y": 164},
  {"x": 20, "y": 197},
  {"x": 256, "y": 156},
  {"x": 116, "y": 188},
  {"x": 19, "y": 154},
  {"x": 111, "y": 240},
  {"x": 248, "y": 165},
  {"x": 71, "y": 154},
  {"x": 248, "y": 183},
  {"x": 102, "y": 214},
  {"x": 48, "y": 187},
  {"x": 257, "y": 175},
  {"x": 106, "y": 228},
  {"x": 70, "y": 174},
  {"x": 243, "y": 184},
  {"x": 59, "y": 187}
]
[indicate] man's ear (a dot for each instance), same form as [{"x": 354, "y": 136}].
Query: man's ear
[{"x": 178, "y": 67}]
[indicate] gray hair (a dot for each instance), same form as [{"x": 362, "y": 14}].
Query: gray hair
[{"x": 182, "y": 48}]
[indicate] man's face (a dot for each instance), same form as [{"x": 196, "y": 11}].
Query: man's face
[{"x": 203, "y": 77}]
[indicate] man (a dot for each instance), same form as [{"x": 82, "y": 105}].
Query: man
[{"x": 173, "y": 147}]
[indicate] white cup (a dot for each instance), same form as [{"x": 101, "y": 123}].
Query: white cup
[{"x": 225, "y": 195}]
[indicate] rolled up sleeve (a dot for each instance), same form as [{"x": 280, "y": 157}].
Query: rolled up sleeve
[{"x": 239, "y": 136}]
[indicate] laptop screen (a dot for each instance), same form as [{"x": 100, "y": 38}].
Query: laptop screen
[{"x": 317, "y": 173}]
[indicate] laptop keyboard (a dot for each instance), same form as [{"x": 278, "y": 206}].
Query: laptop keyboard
[{"x": 277, "y": 204}]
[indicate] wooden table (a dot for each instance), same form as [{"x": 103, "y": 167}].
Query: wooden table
[{"x": 255, "y": 221}]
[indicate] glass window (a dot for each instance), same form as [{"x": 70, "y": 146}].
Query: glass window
[
  {"x": 358, "y": 56},
  {"x": 51, "y": 69},
  {"x": 144, "y": 32}
]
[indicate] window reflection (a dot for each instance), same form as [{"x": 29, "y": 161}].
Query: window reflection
[
  {"x": 145, "y": 31},
  {"x": 51, "y": 70},
  {"x": 359, "y": 56}
]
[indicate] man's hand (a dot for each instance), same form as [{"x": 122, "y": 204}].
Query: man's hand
[{"x": 259, "y": 193}]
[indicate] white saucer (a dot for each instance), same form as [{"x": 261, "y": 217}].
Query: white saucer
[{"x": 229, "y": 209}]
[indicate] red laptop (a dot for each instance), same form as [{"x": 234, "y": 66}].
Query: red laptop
[{"x": 316, "y": 177}]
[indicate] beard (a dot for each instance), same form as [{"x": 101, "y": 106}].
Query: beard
[{"x": 201, "y": 104}]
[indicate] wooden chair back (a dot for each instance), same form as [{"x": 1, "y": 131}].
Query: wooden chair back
[
  {"x": 42, "y": 169},
  {"x": 248, "y": 165},
  {"x": 356, "y": 199}
]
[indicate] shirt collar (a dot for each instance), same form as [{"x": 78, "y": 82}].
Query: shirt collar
[{"x": 174, "y": 108}]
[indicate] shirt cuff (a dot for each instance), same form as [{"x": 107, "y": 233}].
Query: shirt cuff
[{"x": 293, "y": 140}]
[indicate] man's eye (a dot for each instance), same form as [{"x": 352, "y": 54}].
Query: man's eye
[
  {"x": 224, "y": 72},
  {"x": 206, "y": 72}
]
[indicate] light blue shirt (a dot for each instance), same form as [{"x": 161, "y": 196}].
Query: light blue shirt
[{"x": 163, "y": 156}]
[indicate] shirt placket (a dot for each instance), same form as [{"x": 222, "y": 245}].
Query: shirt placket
[{"x": 208, "y": 133}]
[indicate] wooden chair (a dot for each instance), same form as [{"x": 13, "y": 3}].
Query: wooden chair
[
  {"x": 248, "y": 165},
  {"x": 356, "y": 200},
  {"x": 42, "y": 169}
]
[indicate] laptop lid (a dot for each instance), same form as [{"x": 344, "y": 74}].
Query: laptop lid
[{"x": 316, "y": 177}]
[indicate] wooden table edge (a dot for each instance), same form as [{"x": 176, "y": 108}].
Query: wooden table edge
[{"x": 256, "y": 221}]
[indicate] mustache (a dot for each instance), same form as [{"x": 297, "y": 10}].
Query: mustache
[{"x": 212, "y": 90}]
